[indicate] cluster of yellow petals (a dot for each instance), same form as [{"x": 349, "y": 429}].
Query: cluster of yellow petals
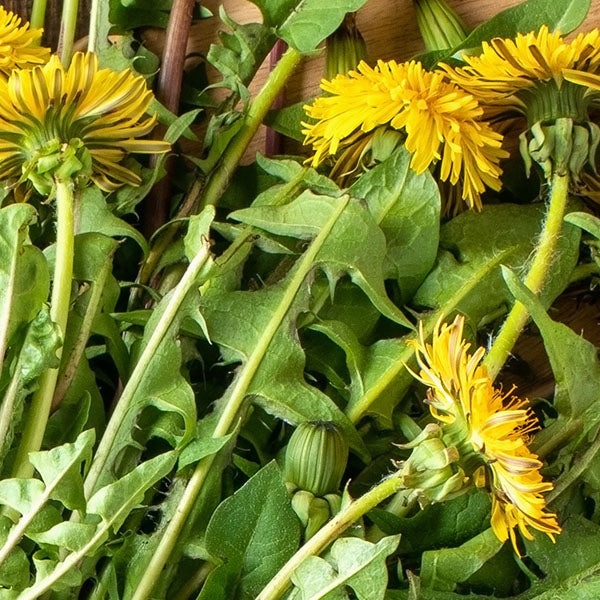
[
  {"x": 442, "y": 123},
  {"x": 18, "y": 44},
  {"x": 498, "y": 425},
  {"x": 507, "y": 66},
  {"x": 102, "y": 108}
]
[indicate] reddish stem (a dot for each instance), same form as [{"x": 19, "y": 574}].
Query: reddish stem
[
  {"x": 273, "y": 139},
  {"x": 168, "y": 92}
]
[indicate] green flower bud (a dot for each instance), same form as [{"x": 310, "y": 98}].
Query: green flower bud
[
  {"x": 316, "y": 457},
  {"x": 53, "y": 161},
  {"x": 440, "y": 26},
  {"x": 318, "y": 515},
  {"x": 345, "y": 48},
  {"x": 560, "y": 147}
]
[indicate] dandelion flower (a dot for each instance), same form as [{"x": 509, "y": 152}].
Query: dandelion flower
[
  {"x": 441, "y": 123},
  {"x": 99, "y": 114},
  {"x": 491, "y": 430},
  {"x": 533, "y": 82},
  {"x": 19, "y": 44}
]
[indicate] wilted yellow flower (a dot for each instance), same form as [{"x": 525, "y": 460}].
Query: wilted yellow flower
[
  {"x": 441, "y": 123},
  {"x": 533, "y": 82},
  {"x": 490, "y": 430},
  {"x": 89, "y": 115},
  {"x": 18, "y": 44}
]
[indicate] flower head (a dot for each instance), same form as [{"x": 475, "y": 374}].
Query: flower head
[
  {"x": 489, "y": 428},
  {"x": 441, "y": 123},
  {"x": 18, "y": 44},
  {"x": 544, "y": 80},
  {"x": 76, "y": 121}
]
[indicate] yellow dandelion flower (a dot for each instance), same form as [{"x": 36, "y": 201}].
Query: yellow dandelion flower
[
  {"x": 507, "y": 68},
  {"x": 98, "y": 113},
  {"x": 540, "y": 80},
  {"x": 19, "y": 44},
  {"x": 490, "y": 428},
  {"x": 442, "y": 123}
]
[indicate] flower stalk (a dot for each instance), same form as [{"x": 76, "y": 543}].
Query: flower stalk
[
  {"x": 256, "y": 113},
  {"x": 537, "y": 276},
  {"x": 39, "y": 410},
  {"x": 68, "y": 24},
  {"x": 38, "y": 14}
]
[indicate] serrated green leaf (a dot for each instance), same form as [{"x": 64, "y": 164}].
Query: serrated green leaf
[
  {"x": 203, "y": 444},
  {"x": 438, "y": 525},
  {"x": 14, "y": 571},
  {"x": 60, "y": 469},
  {"x": 96, "y": 217},
  {"x": 355, "y": 247},
  {"x": 503, "y": 234},
  {"x": 576, "y": 370},
  {"x": 443, "y": 569},
  {"x": 570, "y": 565},
  {"x": 240, "y": 53},
  {"x": 407, "y": 208},
  {"x": 304, "y": 24},
  {"x": 114, "y": 502},
  {"x": 14, "y": 226},
  {"x": 257, "y": 328},
  {"x": 254, "y": 532},
  {"x": 22, "y": 495},
  {"x": 288, "y": 120},
  {"x": 68, "y": 535},
  {"x": 359, "y": 565}
]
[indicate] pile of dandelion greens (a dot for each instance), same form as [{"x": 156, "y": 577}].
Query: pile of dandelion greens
[{"x": 288, "y": 378}]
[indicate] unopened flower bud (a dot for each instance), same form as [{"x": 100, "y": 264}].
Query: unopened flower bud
[
  {"x": 345, "y": 48},
  {"x": 440, "y": 26},
  {"x": 316, "y": 457}
]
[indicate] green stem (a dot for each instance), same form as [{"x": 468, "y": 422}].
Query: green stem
[
  {"x": 346, "y": 517},
  {"x": 103, "y": 452},
  {"x": 256, "y": 113},
  {"x": 193, "y": 584},
  {"x": 68, "y": 24},
  {"x": 230, "y": 411},
  {"x": 164, "y": 239},
  {"x": 70, "y": 367},
  {"x": 38, "y": 14},
  {"x": 39, "y": 410},
  {"x": 536, "y": 278},
  {"x": 93, "y": 27}
]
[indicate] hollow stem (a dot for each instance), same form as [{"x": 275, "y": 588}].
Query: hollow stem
[
  {"x": 68, "y": 24},
  {"x": 536, "y": 278},
  {"x": 38, "y": 14},
  {"x": 168, "y": 92},
  {"x": 346, "y": 517},
  {"x": 70, "y": 367},
  {"x": 39, "y": 410},
  {"x": 256, "y": 113}
]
